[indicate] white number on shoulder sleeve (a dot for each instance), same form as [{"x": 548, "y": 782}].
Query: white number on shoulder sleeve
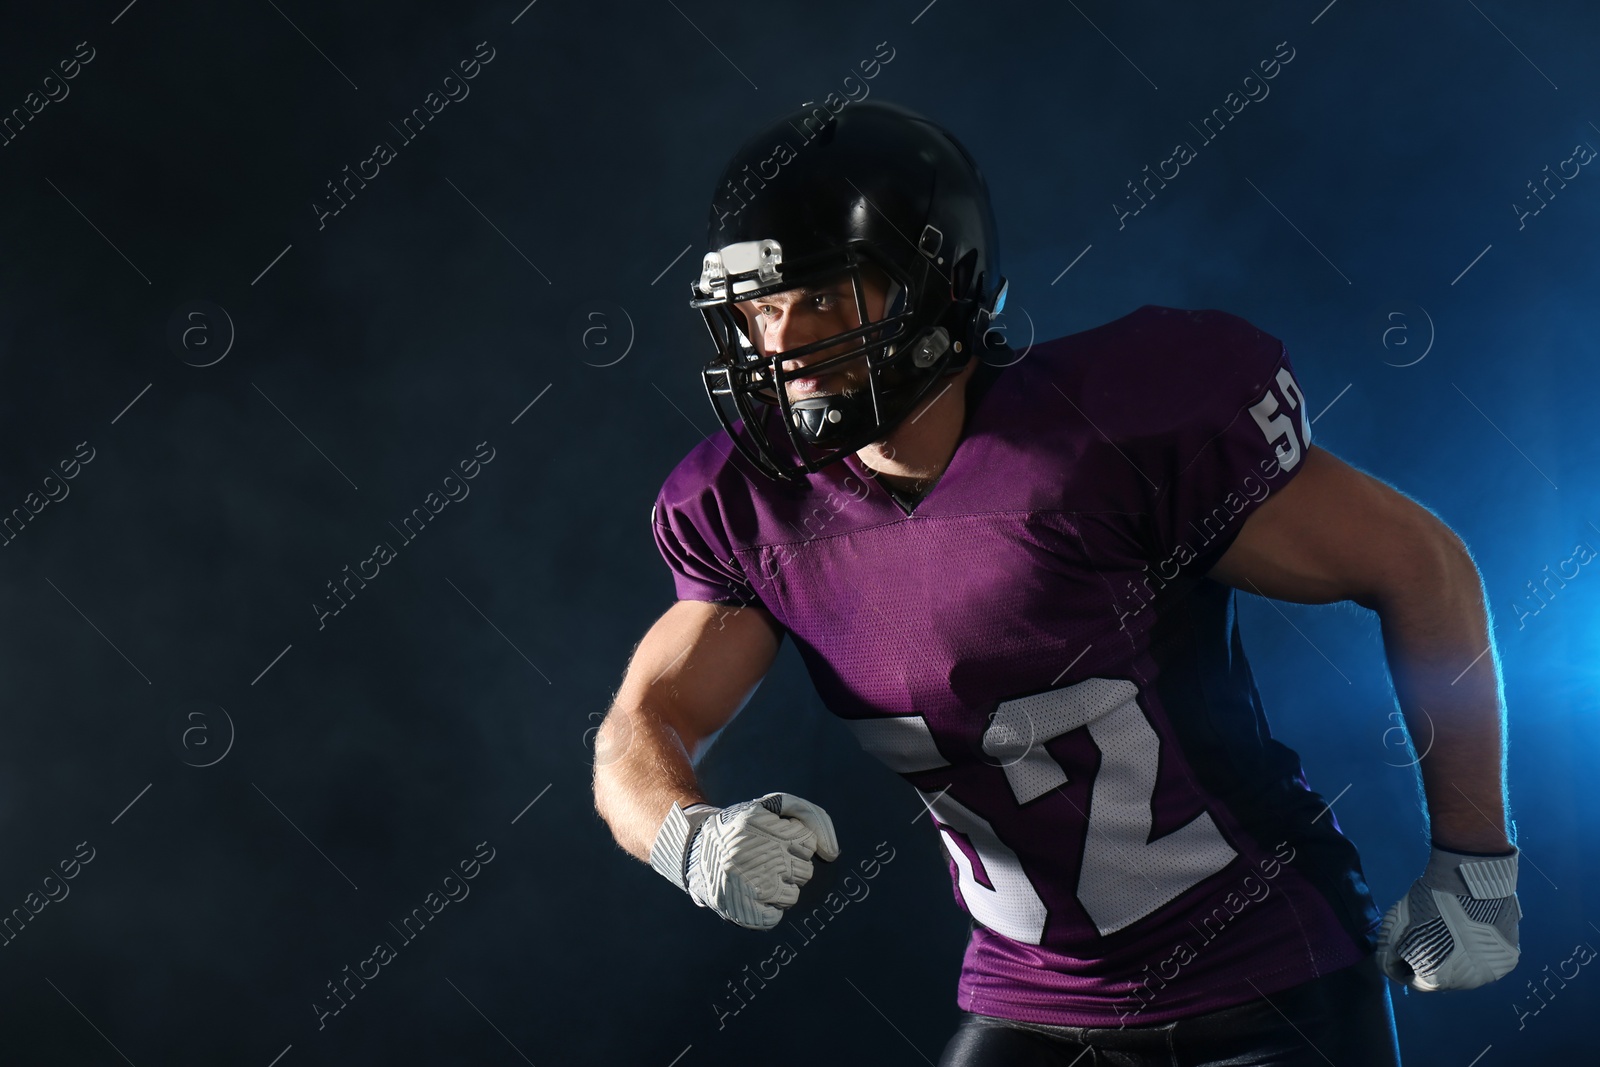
[
  {"x": 1289, "y": 444},
  {"x": 1124, "y": 876}
]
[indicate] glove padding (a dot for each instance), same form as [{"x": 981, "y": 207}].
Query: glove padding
[
  {"x": 746, "y": 862},
  {"x": 1457, "y": 927}
]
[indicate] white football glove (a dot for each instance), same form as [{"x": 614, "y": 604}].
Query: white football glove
[
  {"x": 1457, "y": 927},
  {"x": 746, "y": 862}
]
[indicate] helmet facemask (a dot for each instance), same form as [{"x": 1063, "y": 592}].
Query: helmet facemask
[{"x": 901, "y": 360}]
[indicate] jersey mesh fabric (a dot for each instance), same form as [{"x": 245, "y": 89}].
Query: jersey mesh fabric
[{"x": 1035, "y": 648}]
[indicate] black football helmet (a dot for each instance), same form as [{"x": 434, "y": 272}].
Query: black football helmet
[{"x": 812, "y": 200}]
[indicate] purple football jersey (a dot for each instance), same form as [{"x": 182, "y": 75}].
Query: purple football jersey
[{"x": 1035, "y": 647}]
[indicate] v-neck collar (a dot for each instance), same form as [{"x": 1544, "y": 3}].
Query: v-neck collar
[{"x": 978, "y": 387}]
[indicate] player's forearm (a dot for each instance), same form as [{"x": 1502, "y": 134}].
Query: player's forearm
[
  {"x": 641, "y": 769},
  {"x": 1447, "y": 679}
]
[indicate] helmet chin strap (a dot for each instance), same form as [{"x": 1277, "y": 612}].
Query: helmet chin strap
[{"x": 828, "y": 420}]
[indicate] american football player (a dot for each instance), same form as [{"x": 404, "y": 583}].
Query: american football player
[{"x": 1013, "y": 577}]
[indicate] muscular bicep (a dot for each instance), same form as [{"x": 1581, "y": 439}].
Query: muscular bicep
[
  {"x": 698, "y": 665},
  {"x": 1335, "y": 533}
]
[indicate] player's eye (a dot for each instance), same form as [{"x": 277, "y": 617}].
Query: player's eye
[
  {"x": 766, "y": 311},
  {"x": 824, "y": 301}
]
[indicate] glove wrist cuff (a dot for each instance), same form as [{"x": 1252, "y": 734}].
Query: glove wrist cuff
[
  {"x": 669, "y": 853},
  {"x": 1484, "y": 877},
  {"x": 1491, "y": 878}
]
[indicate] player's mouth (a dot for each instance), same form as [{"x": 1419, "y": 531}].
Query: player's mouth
[
  {"x": 799, "y": 387},
  {"x": 834, "y": 380}
]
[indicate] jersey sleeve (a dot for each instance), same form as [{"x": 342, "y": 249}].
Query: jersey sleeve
[
  {"x": 696, "y": 550},
  {"x": 1242, "y": 437}
]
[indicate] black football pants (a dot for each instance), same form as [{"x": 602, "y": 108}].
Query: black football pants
[{"x": 1343, "y": 1018}]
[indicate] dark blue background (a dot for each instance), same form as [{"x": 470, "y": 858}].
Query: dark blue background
[{"x": 379, "y": 350}]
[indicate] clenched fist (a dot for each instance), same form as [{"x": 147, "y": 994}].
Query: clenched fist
[
  {"x": 746, "y": 862},
  {"x": 1457, "y": 927}
]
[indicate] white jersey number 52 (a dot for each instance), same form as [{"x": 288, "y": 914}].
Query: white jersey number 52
[{"x": 1124, "y": 876}]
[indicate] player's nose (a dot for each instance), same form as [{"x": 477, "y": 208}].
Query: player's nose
[
  {"x": 796, "y": 337},
  {"x": 790, "y": 365},
  {"x": 787, "y": 334}
]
